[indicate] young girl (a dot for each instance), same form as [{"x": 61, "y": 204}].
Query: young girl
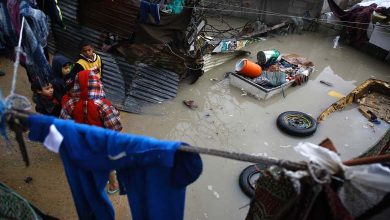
[
  {"x": 88, "y": 105},
  {"x": 61, "y": 68}
]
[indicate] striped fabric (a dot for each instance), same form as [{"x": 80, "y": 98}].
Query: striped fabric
[{"x": 108, "y": 113}]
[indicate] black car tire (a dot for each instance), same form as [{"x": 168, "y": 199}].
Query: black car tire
[
  {"x": 296, "y": 123},
  {"x": 245, "y": 180}
]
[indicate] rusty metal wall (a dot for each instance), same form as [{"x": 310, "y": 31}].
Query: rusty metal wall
[
  {"x": 131, "y": 86},
  {"x": 119, "y": 16},
  {"x": 128, "y": 86}
]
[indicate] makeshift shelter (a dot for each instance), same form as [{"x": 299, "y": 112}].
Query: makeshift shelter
[{"x": 143, "y": 61}]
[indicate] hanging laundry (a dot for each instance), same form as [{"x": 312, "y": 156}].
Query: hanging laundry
[
  {"x": 7, "y": 33},
  {"x": 147, "y": 8},
  {"x": 51, "y": 8},
  {"x": 34, "y": 39},
  {"x": 152, "y": 172},
  {"x": 14, "y": 12},
  {"x": 358, "y": 17},
  {"x": 3, "y": 123},
  {"x": 37, "y": 21},
  {"x": 176, "y": 6}
]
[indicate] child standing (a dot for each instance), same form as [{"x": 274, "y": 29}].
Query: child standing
[
  {"x": 46, "y": 102},
  {"x": 61, "y": 68},
  {"x": 88, "y": 60},
  {"x": 88, "y": 105}
]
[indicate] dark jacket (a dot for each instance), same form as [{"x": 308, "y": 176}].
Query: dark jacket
[
  {"x": 47, "y": 106},
  {"x": 58, "y": 81}
]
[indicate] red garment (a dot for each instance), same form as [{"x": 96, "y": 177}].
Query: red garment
[
  {"x": 65, "y": 98},
  {"x": 359, "y": 18},
  {"x": 87, "y": 103}
]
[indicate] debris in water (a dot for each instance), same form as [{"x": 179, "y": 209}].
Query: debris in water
[
  {"x": 243, "y": 92},
  {"x": 210, "y": 187},
  {"x": 336, "y": 42},
  {"x": 370, "y": 124},
  {"x": 346, "y": 118},
  {"x": 335, "y": 94},
  {"x": 285, "y": 146},
  {"x": 260, "y": 154},
  {"x": 373, "y": 118},
  {"x": 216, "y": 195},
  {"x": 190, "y": 104},
  {"x": 326, "y": 83},
  {"x": 346, "y": 145},
  {"x": 266, "y": 144},
  {"x": 213, "y": 79},
  {"x": 28, "y": 179}
]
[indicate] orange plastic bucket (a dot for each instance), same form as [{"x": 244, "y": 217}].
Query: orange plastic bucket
[{"x": 248, "y": 68}]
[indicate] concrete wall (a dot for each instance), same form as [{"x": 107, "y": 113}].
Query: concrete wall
[{"x": 261, "y": 9}]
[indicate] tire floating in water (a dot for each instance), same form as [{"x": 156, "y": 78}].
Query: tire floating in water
[
  {"x": 296, "y": 123},
  {"x": 248, "y": 178}
]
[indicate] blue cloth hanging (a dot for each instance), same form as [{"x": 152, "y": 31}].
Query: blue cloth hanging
[
  {"x": 147, "y": 8},
  {"x": 152, "y": 172},
  {"x": 3, "y": 123}
]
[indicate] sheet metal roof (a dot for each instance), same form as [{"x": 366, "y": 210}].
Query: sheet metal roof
[
  {"x": 128, "y": 86},
  {"x": 119, "y": 16}
]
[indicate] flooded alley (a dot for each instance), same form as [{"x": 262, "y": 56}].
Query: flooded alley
[
  {"x": 228, "y": 121},
  {"x": 225, "y": 120},
  {"x": 187, "y": 72}
]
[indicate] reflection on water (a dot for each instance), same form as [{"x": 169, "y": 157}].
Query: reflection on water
[{"x": 227, "y": 120}]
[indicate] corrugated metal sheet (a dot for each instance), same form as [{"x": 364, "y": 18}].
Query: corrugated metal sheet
[
  {"x": 69, "y": 9},
  {"x": 158, "y": 55},
  {"x": 117, "y": 16},
  {"x": 128, "y": 86},
  {"x": 213, "y": 60}
]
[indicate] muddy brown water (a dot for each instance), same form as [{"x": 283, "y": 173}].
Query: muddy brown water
[{"x": 224, "y": 120}]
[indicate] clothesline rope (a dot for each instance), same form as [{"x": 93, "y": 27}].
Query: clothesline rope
[
  {"x": 280, "y": 14},
  {"x": 262, "y": 12},
  {"x": 290, "y": 16},
  {"x": 14, "y": 100},
  {"x": 18, "y": 50},
  {"x": 290, "y": 165}
]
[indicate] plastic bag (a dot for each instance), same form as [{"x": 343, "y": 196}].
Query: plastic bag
[{"x": 373, "y": 175}]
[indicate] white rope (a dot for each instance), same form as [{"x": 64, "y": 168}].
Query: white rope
[
  {"x": 263, "y": 12},
  {"x": 18, "y": 49},
  {"x": 280, "y": 14},
  {"x": 14, "y": 100}
]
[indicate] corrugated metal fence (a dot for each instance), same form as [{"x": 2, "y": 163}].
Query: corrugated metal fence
[{"x": 128, "y": 86}]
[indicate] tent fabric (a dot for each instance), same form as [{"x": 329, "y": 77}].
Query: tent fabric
[{"x": 171, "y": 29}]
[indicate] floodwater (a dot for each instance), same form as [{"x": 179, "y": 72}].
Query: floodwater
[{"x": 226, "y": 120}]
